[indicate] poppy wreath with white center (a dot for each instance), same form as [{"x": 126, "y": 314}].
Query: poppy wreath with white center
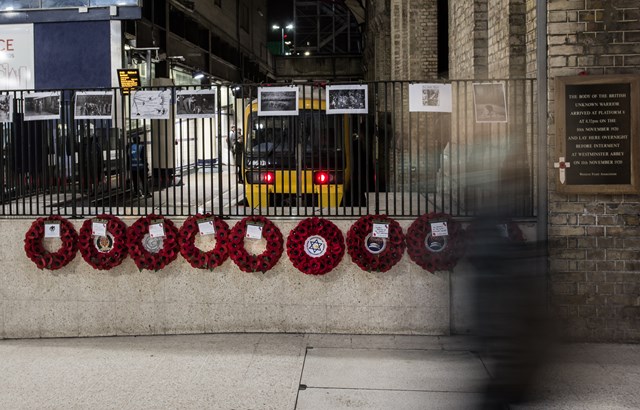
[
  {"x": 141, "y": 256},
  {"x": 90, "y": 253},
  {"x": 254, "y": 263},
  {"x": 391, "y": 253},
  {"x": 313, "y": 255},
  {"x": 418, "y": 235},
  {"x": 51, "y": 260}
]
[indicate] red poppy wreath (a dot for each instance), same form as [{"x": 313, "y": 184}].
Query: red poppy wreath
[
  {"x": 253, "y": 263},
  {"x": 435, "y": 252},
  {"x": 106, "y": 251},
  {"x": 373, "y": 253},
  {"x": 39, "y": 255},
  {"x": 198, "y": 258},
  {"x": 315, "y": 246},
  {"x": 152, "y": 251}
]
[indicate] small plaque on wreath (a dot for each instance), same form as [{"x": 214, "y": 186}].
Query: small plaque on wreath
[
  {"x": 380, "y": 229},
  {"x": 52, "y": 229},
  {"x": 99, "y": 227},
  {"x": 375, "y": 244},
  {"x": 254, "y": 230},
  {"x": 104, "y": 243},
  {"x": 206, "y": 226},
  {"x": 156, "y": 229},
  {"x": 315, "y": 246},
  {"x": 439, "y": 228}
]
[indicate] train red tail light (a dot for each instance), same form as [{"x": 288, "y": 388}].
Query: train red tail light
[
  {"x": 321, "y": 178},
  {"x": 268, "y": 178}
]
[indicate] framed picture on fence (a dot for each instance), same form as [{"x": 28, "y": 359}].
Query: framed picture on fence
[
  {"x": 347, "y": 99},
  {"x": 6, "y": 108},
  {"x": 93, "y": 105},
  {"x": 150, "y": 105},
  {"x": 490, "y": 102},
  {"x": 277, "y": 101},
  {"x": 195, "y": 103},
  {"x": 42, "y": 106}
]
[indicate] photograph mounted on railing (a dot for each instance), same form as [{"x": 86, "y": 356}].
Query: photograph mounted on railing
[
  {"x": 42, "y": 106},
  {"x": 597, "y": 134},
  {"x": 490, "y": 102},
  {"x": 277, "y": 101},
  {"x": 6, "y": 108},
  {"x": 195, "y": 103},
  {"x": 93, "y": 105},
  {"x": 150, "y": 105},
  {"x": 347, "y": 99}
]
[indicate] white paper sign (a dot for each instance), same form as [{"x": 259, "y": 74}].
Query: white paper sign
[
  {"x": 207, "y": 227},
  {"x": 439, "y": 229},
  {"x": 254, "y": 231},
  {"x": 156, "y": 230},
  {"x": 99, "y": 227},
  {"x": 380, "y": 230},
  {"x": 52, "y": 229}
]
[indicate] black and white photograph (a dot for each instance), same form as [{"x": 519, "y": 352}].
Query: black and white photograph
[
  {"x": 424, "y": 97},
  {"x": 93, "y": 105},
  {"x": 42, "y": 106},
  {"x": 347, "y": 99},
  {"x": 490, "y": 102},
  {"x": 277, "y": 101},
  {"x": 150, "y": 105},
  {"x": 195, "y": 103},
  {"x": 6, "y": 108}
]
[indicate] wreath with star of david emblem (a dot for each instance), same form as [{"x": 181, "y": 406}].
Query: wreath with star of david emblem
[{"x": 315, "y": 246}]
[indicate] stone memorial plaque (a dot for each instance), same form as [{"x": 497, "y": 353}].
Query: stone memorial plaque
[{"x": 597, "y": 132}]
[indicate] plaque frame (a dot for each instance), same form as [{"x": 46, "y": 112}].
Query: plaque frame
[{"x": 561, "y": 84}]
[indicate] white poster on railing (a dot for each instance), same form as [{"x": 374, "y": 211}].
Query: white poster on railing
[
  {"x": 424, "y": 97},
  {"x": 42, "y": 106},
  {"x": 16, "y": 57},
  {"x": 150, "y": 105}
]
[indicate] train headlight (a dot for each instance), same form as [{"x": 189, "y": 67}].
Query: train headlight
[{"x": 322, "y": 177}]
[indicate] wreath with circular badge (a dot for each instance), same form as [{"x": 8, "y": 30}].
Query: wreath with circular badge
[
  {"x": 431, "y": 250},
  {"x": 106, "y": 251},
  {"x": 147, "y": 247},
  {"x": 239, "y": 254},
  {"x": 315, "y": 246},
  {"x": 196, "y": 257},
  {"x": 372, "y": 252},
  {"x": 34, "y": 247}
]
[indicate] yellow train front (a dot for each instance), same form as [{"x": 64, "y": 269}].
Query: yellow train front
[{"x": 296, "y": 160}]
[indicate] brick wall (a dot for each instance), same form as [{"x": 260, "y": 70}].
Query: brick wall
[{"x": 594, "y": 239}]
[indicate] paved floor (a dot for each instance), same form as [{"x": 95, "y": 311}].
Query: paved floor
[{"x": 289, "y": 371}]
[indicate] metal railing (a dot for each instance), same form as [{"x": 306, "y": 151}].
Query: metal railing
[{"x": 76, "y": 160}]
